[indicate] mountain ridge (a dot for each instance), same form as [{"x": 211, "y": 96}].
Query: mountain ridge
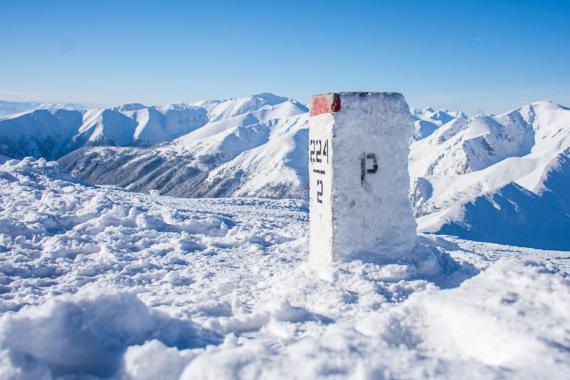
[{"x": 461, "y": 166}]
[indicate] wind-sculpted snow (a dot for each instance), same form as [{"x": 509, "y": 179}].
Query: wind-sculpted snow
[{"x": 98, "y": 281}]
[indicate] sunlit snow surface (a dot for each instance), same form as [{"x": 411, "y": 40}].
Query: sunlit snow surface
[{"x": 103, "y": 282}]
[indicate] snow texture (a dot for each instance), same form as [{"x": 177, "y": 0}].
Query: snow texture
[{"x": 101, "y": 282}]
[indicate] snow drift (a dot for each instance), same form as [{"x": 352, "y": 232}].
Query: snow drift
[{"x": 88, "y": 334}]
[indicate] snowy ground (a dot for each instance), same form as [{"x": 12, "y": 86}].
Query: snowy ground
[{"x": 102, "y": 282}]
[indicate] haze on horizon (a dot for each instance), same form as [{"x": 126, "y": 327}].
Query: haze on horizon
[{"x": 472, "y": 56}]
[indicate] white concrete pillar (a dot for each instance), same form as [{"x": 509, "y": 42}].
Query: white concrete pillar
[{"x": 359, "y": 181}]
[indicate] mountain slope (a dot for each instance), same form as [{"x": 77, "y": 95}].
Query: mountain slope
[
  {"x": 510, "y": 215},
  {"x": 428, "y": 120},
  {"x": 253, "y": 147},
  {"x": 51, "y": 133},
  {"x": 520, "y": 157},
  {"x": 41, "y": 133},
  {"x": 275, "y": 169}
]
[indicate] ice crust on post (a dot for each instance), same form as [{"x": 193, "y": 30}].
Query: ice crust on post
[{"x": 359, "y": 181}]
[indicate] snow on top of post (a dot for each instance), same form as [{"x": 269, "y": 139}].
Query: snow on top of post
[
  {"x": 326, "y": 103},
  {"x": 331, "y": 102}
]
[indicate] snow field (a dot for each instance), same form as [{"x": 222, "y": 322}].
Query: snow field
[{"x": 102, "y": 282}]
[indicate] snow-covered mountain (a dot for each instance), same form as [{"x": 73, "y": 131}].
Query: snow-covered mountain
[
  {"x": 501, "y": 177},
  {"x": 255, "y": 146},
  {"x": 427, "y": 120},
  {"x": 54, "y": 132},
  {"x": 11, "y": 108},
  {"x": 8, "y": 108}
]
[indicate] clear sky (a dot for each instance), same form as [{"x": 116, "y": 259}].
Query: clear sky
[{"x": 476, "y": 56}]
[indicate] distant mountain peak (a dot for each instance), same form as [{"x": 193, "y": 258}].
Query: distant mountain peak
[
  {"x": 272, "y": 99},
  {"x": 130, "y": 107}
]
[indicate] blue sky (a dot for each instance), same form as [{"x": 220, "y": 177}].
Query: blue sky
[{"x": 477, "y": 56}]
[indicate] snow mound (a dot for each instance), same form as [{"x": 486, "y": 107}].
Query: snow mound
[
  {"x": 488, "y": 323},
  {"x": 88, "y": 333}
]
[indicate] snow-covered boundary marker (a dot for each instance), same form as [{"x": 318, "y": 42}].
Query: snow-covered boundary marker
[{"x": 358, "y": 175}]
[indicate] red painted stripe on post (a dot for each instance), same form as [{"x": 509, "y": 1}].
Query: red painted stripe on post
[{"x": 328, "y": 103}]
